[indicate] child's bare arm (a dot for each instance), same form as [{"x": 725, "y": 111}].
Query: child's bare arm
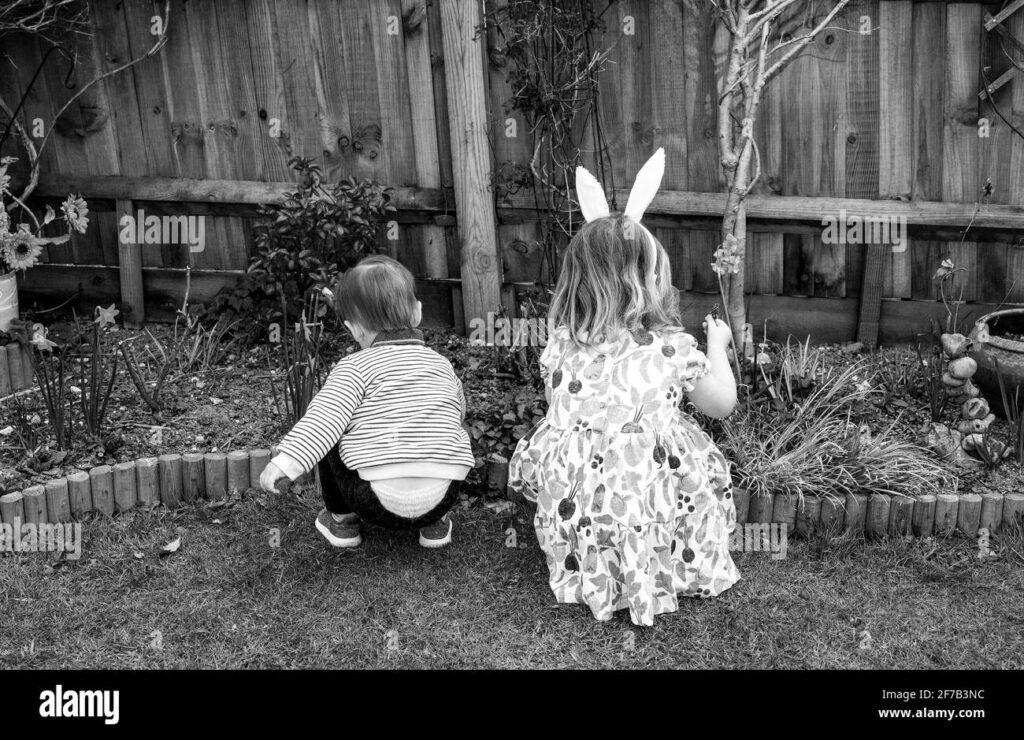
[{"x": 714, "y": 394}]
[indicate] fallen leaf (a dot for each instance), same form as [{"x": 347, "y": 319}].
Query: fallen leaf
[
  {"x": 214, "y": 400},
  {"x": 138, "y": 555},
  {"x": 171, "y": 547}
]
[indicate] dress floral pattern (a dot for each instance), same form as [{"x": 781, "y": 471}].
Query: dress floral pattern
[{"x": 634, "y": 500}]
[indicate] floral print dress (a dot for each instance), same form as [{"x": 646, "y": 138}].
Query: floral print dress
[{"x": 634, "y": 500}]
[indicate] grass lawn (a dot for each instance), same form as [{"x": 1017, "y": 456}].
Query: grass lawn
[{"x": 228, "y": 599}]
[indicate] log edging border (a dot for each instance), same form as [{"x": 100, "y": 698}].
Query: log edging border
[
  {"x": 880, "y": 515},
  {"x": 174, "y": 479},
  {"x": 147, "y": 481}
]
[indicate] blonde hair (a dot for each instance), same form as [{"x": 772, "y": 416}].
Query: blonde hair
[
  {"x": 378, "y": 293},
  {"x": 615, "y": 275}
]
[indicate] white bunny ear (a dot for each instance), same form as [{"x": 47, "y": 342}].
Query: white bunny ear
[
  {"x": 646, "y": 185},
  {"x": 593, "y": 204}
]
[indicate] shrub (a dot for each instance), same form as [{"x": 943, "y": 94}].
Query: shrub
[{"x": 317, "y": 231}]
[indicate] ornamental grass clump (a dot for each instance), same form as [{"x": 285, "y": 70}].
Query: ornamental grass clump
[{"x": 815, "y": 447}]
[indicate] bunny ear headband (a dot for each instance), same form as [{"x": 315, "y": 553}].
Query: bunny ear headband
[{"x": 593, "y": 203}]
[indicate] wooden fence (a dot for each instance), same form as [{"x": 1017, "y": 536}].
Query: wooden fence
[{"x": 877, "y": 117}]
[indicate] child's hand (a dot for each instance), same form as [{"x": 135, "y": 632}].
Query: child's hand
[
  {"x": 270, "y": 476},
  {"x": 718, "y": 332}
]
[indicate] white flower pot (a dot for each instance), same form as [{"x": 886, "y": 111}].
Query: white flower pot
[{"x": 8, "y": 300}]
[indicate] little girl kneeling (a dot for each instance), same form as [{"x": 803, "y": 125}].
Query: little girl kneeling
[
  {"x": 385, "y": 431},
  {"x": 634, "y": 500}
]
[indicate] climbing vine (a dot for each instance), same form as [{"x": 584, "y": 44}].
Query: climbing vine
[{"x": 550, "y": 54}]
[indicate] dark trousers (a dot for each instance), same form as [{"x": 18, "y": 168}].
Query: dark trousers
[{"x": 346, "y": 493}]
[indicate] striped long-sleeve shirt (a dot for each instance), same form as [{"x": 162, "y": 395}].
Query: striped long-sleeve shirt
[{"x": 395, "y": 402}]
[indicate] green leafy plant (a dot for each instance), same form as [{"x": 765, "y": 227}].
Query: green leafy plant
[
  {"x": 148, "y": 376},
  {"x": 930, "y": 372},
  {"x": 299, "y": 363},
  {"x": 316, "y": 231},
  {"x": 495, "y": 431},
  {"x": 97, "y": 373},
  {"x": 51, "y": 369}
]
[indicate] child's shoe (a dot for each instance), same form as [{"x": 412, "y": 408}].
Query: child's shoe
[
  {"x": 340, "y": 534},
  {"x": 437, "y": 534}
]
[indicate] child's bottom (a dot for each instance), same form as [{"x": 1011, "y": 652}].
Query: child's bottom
[{"x": 346, "y": 493}]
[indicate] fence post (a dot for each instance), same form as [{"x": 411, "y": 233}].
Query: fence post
[
  {"x": 130, "y": 262},
  {"x": 464, "y": 60}
]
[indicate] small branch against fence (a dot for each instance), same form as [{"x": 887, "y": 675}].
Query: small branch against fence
[{"x": 35, "y": 157}]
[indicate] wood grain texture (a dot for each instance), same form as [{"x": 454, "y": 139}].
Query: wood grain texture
[
  {"x": 895, "y": 125},
  {"x": 464, "y": 55},
  {"x": 423, "y": 118}
]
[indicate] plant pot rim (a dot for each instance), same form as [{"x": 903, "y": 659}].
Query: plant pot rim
[{"x": 1010, "y": 345}]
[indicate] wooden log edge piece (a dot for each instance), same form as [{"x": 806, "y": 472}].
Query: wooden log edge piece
[
  {"x": 125, "y": 486},
  {"x": 876, "y": 524},
  {"x": 856, "y": 513},
  {"x": 80, "y": 493},
  {"x": 741, "y": 500},
  {"x": 946, "y": 505},
  {"x": 34, "y": 502},
  {"x": 808, "y": 515},
  {"x": 833, "y": 514},
  {"x": 924, "y": 515},
  {"x": 58, "y": 501},
  {"x": 147, "y": 474},
  {"x": 968, "y": 514},
  {"x": 193, "y": 476},
  {"x": 216, "y": 470},
  {"x": 170, "y": 480},
  {"x": 101, "y": 478},
  {"x": 1013, "y": 510},
  {"x": 258, "y": 460},
  {"x": 238, "y": 471},
  {"x": 12, "y": 508},
  {"x": 901, "y": 516},
  {"x": 991, "y": 511},
  {"x": 761, "y": 508},
  {"x": 784, "y": 510}
]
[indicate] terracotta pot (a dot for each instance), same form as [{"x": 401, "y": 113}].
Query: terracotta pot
[
  {"x": 8, "y": 300},
  {"x": 991, "y": 346}
]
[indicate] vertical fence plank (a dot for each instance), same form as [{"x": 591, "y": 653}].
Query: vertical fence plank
[
  {"x": 424, "y": 116},
  {"x": 464, "y": 64},
  {"x": 700, "y": 35},
  {"x": 895, "y": 124},
  {"x": 960, "y": 147},
  {"x": 1015, "y": 251},
  {"x": 133, "y": 300}
]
